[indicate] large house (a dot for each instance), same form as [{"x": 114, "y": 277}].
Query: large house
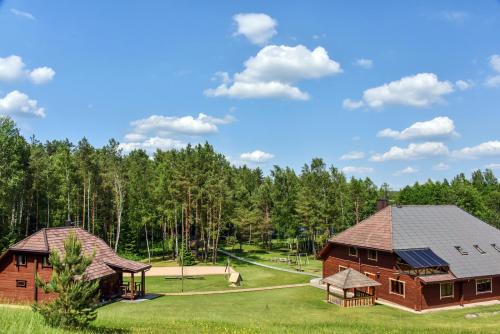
[
  {"x": 424, "y": 256},
  {"x": 30, "y": 256}
]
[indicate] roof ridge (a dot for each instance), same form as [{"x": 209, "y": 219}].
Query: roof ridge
[{"x": 390, "y": 227}]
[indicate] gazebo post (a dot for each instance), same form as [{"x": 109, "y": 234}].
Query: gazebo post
[
  {"x": 132, "y": 285},
  {"x": 327, "y": 292},
  {"x": 143, "y": 283}
]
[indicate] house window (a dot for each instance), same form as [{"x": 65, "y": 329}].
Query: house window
[
  {"x": 21, "y": 283},
  {"x": 46, "y": 262},
  {"x": 446, "y": 290},
  {"x": 20, "y": 260},
  {"x": 353, "y": 251},
  {"x": 483, "y": 286},
  {"x": 461, "y": 250},
  {"x": 479, "y": 249},
  {"x": 342, "y": 268},
  {"x": 397, "y": 287},
  {"x": 372, "y": 255},
  {"x": 497, "y": 248}
]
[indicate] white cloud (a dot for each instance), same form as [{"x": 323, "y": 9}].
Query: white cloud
[
  {"x": 258, "y": 28},
  {"x": 12, "y": 68},
  {"x": 435, "y": 128},
  {"x": 19, "y": 104},
  {"x": 463, "y": 84},
  {"x": 354, "y": 155},
  {"x": 350, "y": 104},
  {"x": 357, "y": 170},
  {"x": 495, "y": 62},
  {"x": 274, "y": 70},
  {"x": 490, "y": 148},
  {"x": 493, "y": 166},
  {"x": 412, "y": 152},
  {"x": 256, "y": 156},
  {"x": 493, "y": 81},
  {"x": 22, "y": 14},
  {"x": 407, "y": 170},
  {"x": 441, "y": 166},
  {"x": 42, "y": 75},
  {"x": 364, "y": 63},
  {"x": 455, "y": 16},
  {"x": 152, "y": 144},
  {"x": 203, "y": 124},
  {"x": 420, "y": 90}
]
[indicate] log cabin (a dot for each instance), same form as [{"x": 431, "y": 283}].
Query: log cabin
[
  {"x": 30, "y": 256},
  {"x": 424, "y": 256}
]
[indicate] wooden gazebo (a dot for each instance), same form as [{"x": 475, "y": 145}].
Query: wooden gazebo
[{"x": 350, "y": 282}]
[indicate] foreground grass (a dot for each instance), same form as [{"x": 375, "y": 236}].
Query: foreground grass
[
  {"x": 253, "y": 277},
  {"x": 297, "y": 310}
]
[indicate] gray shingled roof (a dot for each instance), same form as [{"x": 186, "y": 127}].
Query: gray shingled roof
[
  {"x": 350, "y": 278},
  {"x": 441, "y": 228}
]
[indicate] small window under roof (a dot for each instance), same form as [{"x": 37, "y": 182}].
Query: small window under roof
[
  {"x": 497, "y": 248},
  {"x": 461, "y": 250},
  {"x": 479, "y": 249}
]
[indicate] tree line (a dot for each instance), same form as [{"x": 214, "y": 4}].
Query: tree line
[{"x": 193, "y": 198}]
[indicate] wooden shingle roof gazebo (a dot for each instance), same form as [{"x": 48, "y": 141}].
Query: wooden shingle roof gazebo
[{"x": 350, "y": 282}]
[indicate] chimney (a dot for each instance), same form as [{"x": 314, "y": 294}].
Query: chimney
[{"x": 382, "y": 203}]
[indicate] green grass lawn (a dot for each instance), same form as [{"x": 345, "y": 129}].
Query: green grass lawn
[
  {"x": 253, "y": 277},
  {"x": 297, "y": 310},
  {"x": 256, "y": 253}
]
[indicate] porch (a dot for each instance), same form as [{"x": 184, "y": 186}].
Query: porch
[{"x": 135, "y": 287}]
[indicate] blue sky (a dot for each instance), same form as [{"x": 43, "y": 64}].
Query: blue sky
[{"x": 397, "y": 91}]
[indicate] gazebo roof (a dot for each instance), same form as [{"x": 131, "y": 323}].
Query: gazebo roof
[{"x": 350, "y": 278}]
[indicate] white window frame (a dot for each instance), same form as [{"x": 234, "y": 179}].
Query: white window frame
[
  {"x": 342, "y": 268},
  {"x": 394, "y": 293},
  {"x": 371, "y": 258},
  {"x": 441, "y": 290},
  {"x": 21, "y": 256},
  {"x": 484, "y": 279},
  {"x": 356, "y": 249}
]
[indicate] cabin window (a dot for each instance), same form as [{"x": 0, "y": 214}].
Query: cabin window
[
  {"x": 342, "y": 268},
  {"x": 461, "y": 250},
  {"x": 397, "y": 287},
  {"x": 497, "y": 248},
  {"x": 372, "y": 255},
  {"x": 483, "y": 286},
  {"x": 353, "y": 251},
  {"x": 21, "y": 283},
  {"x": 21, "y": 260},
  {"x": 479, "y": 249},
  {"x": 446, "y": 290},
  {"x": 46, "y": 262}
]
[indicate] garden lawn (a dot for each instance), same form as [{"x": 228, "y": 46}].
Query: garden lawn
[{"x": 295, "y": 310}]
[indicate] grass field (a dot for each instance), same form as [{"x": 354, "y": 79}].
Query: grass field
[{"x": 296, "y": 310}]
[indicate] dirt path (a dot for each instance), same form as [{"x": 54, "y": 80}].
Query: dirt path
[
  {"x": 188, "y": 271},
  {"x": 236, "y": 290}
]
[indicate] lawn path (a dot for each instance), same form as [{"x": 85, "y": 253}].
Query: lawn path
[
  {"x": 218, "y": 292},
  {"x": 188, "y": 271},
  {"x": 267, "y": 266}
]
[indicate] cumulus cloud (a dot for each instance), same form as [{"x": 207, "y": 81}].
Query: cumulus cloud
[
  {"x": 152, "y": 144},
  {"x": 454, "y": 16},
  {"x": 12, "y": 68},
  {"x": 438, "y": 127},
  {"x": 463, "y": 84},
  {"x": 16, "y": 103},
  {"x": 412, "y": 152},
  {"x": 490, "y": 148},
  {"x": 357, "y": 170},
  {"x": 273, "y": 72},
  {"x": 493, "y": 166},
  {"x": 441, "y": 166},
  {"x": 407, "y": 170},
  {"x": 364, "y": 63},
  {"x": 420, "y": 90},
  {"x": 494, "y": 81},
  {"x": 354, "y": 155},
  {"x": 350, "y": 104},
  {"x": 256, "y": 156},
  {"x": 258, "y": 28},
  {"x": 21, "y": 13}
]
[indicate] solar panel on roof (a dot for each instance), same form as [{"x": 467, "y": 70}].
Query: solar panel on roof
[{"x": 421, "y": 258}]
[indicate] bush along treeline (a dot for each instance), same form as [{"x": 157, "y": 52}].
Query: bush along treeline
[{"x": 193, "y": 198}]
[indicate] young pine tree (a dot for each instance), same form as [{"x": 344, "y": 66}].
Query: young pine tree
[{"x": 76, "y": 302}]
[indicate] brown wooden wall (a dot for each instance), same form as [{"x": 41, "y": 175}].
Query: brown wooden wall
[{"x": 417, "y": 296}]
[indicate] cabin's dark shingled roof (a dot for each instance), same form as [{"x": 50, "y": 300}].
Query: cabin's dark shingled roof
[
  {"x": 373, "y": 232},
  {"x": 48, "y": 239},
  {"x": 438, "y": 227}
]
